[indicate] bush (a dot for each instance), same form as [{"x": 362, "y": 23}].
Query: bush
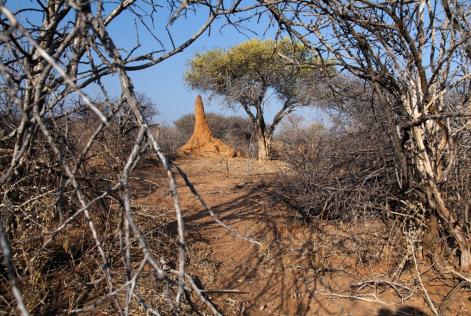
[
  {"x": 344, "y": 171},
  {"x": 38, "y": 199},
  {"x": 170, "y": 140},
  {"x": 336, "y": 175}
]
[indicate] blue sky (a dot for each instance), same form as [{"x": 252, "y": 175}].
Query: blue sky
[{"x": 164, "y": 83}]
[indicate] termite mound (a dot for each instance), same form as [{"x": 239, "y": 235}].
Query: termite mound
[{"x": 202, "y": 142}]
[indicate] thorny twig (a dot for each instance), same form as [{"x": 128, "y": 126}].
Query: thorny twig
[
  {"x": 43, "y": 67},
  {"x": 11, "y": 271}
]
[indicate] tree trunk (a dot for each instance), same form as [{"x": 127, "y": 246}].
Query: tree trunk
[
  {"x": 428, "y": 150},
  {"x": 264, "y": 143},
  {"x": 465, "y": 258},
  {"x": 263, "y": 136},
  {"x": 431, "y": 142}
]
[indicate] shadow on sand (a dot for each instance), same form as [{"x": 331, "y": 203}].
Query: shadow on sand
[
  {"x": 404, "y": 311},
  {"x": 285, "y": 275}
]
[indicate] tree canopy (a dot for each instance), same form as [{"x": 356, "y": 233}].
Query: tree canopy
[{"x": 245, "y": 74}]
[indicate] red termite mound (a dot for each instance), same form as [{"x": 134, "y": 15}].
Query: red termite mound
[{"x": 202, "y": 142}]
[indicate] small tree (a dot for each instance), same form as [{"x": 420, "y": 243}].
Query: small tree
[{"x": 244, "y": 75}]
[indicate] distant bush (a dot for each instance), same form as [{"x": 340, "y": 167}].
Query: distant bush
[{"x": 170, "y": 139}]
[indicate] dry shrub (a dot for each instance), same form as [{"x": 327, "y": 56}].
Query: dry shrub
[
  {"x": 344, "y": 181},
  {"x": 349, "y": 172},
  {"x": 337, "y": 173},
  {"x": 171, "y": 139},
  {"x": 62, "y": 272},
  {"x": 36, "y": 203},
  {"x": 458, "y": 184},
  {"x": 348, "y": 169},
  {"x": 114, "y": 144}
]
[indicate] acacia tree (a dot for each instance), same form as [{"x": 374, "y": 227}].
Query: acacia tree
[
  {"x": 245, "y": 74},
  {"x": 414, "y": 54}
]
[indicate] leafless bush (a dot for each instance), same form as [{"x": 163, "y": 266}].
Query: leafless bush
[
  {"x": 171, "y": 139},
  {"x": 345, "y": 170},
  {"x": 348, "y": 172},
  {"x": 339, "y": 175},
  {"x": 39, "y": 202},
  {"x": 114, "y": 143},
  {"x": 71, "y": 238},
  {"x": 413, "y": 55}
]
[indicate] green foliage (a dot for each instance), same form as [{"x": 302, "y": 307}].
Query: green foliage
[{"x": 244, "y": 73}]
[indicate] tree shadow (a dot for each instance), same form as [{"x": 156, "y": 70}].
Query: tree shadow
[
  {"x": 403, "y": 311},
  {"x": 296, "y": 261},
  {"x": 276, "y": 273}
]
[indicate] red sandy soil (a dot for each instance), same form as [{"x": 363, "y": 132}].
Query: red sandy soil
[{"x": 299, "y": 265}]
